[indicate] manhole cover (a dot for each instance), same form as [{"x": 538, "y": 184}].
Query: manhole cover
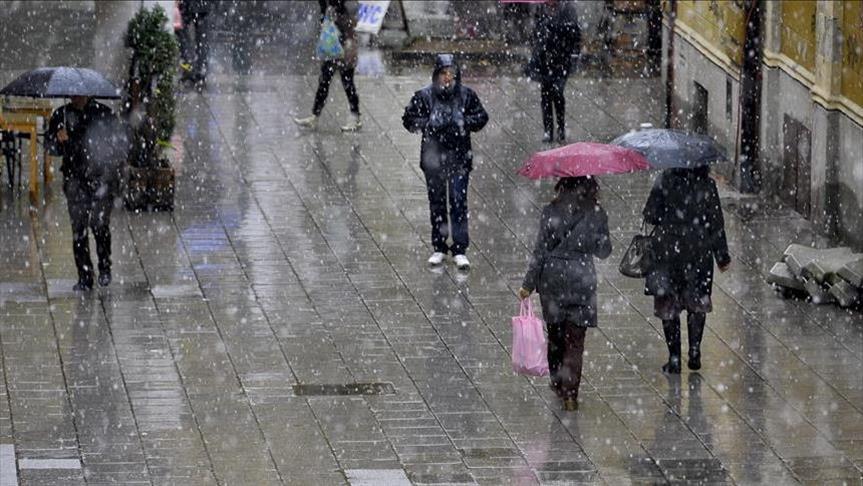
[{"x": 344, "y": 389}]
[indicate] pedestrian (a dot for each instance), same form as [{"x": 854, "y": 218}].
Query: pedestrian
[
  {"x": 689, "y": 235},
  {"x": 556, "y": 37},
  {"x": 194, "y": 39},
  {"x": 573, "y": 229},
  {"x": 346, "y": 66},
  {"x": 446, "y": 112},
  {"x": 78, "y": 131}
]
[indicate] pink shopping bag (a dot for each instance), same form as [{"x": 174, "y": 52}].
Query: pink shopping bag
[{"x": 529, "y": 348}]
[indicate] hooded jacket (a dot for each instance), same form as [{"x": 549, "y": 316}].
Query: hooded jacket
[
  {"x": 445, "y": 117},
  {"x": 556, "y": 38}
]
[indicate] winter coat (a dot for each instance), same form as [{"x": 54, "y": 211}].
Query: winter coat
[
  {"x": 445, "y": 118},
  {"x": 97, "y": 148},
  {"x": 561, "y": 268},
  {"x": 556, "y": 37},
  {"x": 345, "y": 23},
  {"x": 689, "y": 234}
]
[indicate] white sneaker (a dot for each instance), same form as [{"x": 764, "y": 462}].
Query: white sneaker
[
  {"x": 354, "y": 124},
  {"x": 461, "y": 262},
  {"x": 310, "y": 122},
  {"x": 436, "y": 258}
]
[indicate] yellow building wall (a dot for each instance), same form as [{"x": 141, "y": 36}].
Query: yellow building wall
[
  {"x": 852, "y": 52},
  {"x": 719, "y": 23},
  {"x": 797, "y": 25}
]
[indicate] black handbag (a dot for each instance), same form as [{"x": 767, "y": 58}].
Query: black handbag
[{"x": 638, "y": 259}]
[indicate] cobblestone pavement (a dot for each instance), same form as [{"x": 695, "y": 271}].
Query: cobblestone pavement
[{"x": 297, "y": 258}]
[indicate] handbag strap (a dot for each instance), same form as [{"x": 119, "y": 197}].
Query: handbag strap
[{"x": 526, "y": 308}]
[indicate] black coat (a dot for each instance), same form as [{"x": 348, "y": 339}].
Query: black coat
[
  {"x": 561, "y": 268},
  {"x": 556, "y": 37},
  {"x": 191, "y": 8},
  {"x": 97, "y": 147},
  {"x": 689, "y": 235},
  {"x": 445, "y": 121}
]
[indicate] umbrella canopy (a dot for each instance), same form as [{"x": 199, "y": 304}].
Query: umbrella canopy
[
  {"x": 583, "y": 159},
  {"x": 61, "y": 82},
  {"x": 668, "y": 149}
]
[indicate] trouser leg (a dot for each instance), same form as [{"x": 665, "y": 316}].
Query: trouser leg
[
  {"x": 328, "y": 68},
  {"x": 347, "y": 74},
  {"x": 202, "y": 45},
  {"x": 559, "y": 100},
  {"x": 546, "y": 95},
  {"x": 573, "y": 359},
  {"x": 458, "y": 189},
  {"x": 436, "y": 185},
  {"x": 100, "y": 222},
  {"x": 556, "y": 348},
  {"x": 79, "y": 216}
]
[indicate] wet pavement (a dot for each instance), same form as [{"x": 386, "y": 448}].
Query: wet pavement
[{"x": 229, "y": 347}]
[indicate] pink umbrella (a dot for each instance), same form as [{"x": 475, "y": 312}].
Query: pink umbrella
[{"x": 583, "y": 159}]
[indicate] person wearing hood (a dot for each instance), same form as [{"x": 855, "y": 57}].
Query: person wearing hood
[
  {"x": 86, "y": 134},
  {"x": 345, "y": 66},
  {"x": 689, "y": 235},
  {"x": 556, "y": 38},
  {"x": 446, "y": 112},
  {"x": 573, "y": 230}
]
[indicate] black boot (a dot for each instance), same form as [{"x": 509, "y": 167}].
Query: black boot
[
  {"x": 671, "y": 328},
  {"x": 695, "y": 327}
]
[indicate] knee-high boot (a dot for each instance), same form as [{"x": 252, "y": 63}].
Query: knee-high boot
[
  {"x": 671, "y": 328},
  {"x": 695, "y": 328}
]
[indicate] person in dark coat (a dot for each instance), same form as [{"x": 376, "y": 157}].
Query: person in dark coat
[
  {"x": 573, "y": 229},
  {"x": 446, "y": 112},
  {"x": 556, "y": 37},
  {"x": 195, "y": 38},
  {"x": 689, "y": 235},
  {"x": 345, "y": 66},
  {"x": 81, "y": 132}
]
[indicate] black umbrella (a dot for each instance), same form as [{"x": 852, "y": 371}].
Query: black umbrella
[
  {"x": 61, "y": 82},
  {"x": 666, "y": 148}
]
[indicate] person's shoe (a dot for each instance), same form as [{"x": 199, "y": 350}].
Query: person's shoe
[
  {"x": 461, "y": 262},
  {"x": 561, "y": 136},
  {"x": 436, "y": 258},
  {"x": 83, "y": 286},
  {"x": 354, "y": 124},
  {"x": 694, "y": 362},
  {"x": 672, "y": 366},
  {"x": 570, "y": 404},
  {"x": 546, "y": 137},
  {"x": 104, "y": 279},
  {"x": 310, "y": 122}
]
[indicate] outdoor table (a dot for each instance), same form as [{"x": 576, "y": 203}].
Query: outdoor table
[{"x": 25, "y": 119}]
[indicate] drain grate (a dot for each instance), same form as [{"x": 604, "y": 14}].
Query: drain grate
[{"x": 344, "y": 389}]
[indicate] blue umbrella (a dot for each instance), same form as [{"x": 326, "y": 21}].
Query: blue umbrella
[
  {"x": 668, "y": 149},
  {"x": 61, "y": 82}
]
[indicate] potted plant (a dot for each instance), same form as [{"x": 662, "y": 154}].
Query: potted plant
[{"x": 150, "y": 109}]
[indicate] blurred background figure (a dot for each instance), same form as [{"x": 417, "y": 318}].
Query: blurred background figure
[
  {"x": 194, "y": 39},
  {"x": 336, "y": 10},
  {"x": 556, "y": 37}
]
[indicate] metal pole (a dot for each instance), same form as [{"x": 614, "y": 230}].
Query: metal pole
[{"x": 669, "y": 73}]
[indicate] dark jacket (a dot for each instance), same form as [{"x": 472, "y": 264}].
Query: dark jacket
[
  {"x": 556, "y": 37},
  {"x": 561, "y": 268},
  {"x": 689, "y": 235},
  {"x": 190, "y": 8},
  {"x": 97, "y": 147},
  {"x": 445, "y": 118}
]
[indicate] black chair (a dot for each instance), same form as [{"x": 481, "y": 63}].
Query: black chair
[{"x": 11, "y": 146}]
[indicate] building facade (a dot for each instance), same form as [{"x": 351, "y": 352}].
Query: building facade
[{"x": 810, "y": 110}]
